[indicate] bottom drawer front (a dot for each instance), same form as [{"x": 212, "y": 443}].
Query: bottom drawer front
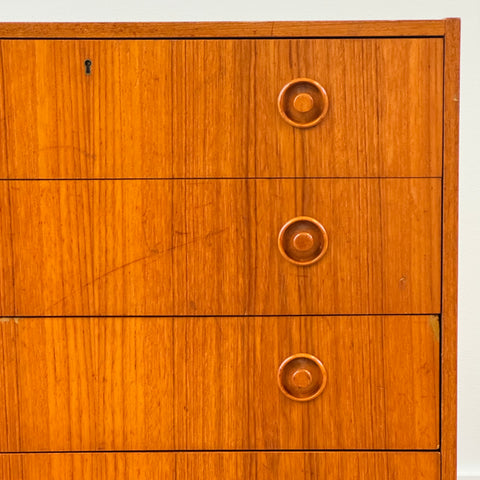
[
  {"x": 212, "y": 383},
  {"x": 224, "y": 466}
]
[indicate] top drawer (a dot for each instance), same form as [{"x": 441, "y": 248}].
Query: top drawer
[{"x": 208, "y": 108}]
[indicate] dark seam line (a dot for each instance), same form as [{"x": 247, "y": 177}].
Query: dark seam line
[
  {"x": 69, "y": 179},
  {"x": 34, "y": 452},
  {"x": 440, "y": 383},
  {"x": 295, "y": 315},
  {"x": 347, "y": 37}
]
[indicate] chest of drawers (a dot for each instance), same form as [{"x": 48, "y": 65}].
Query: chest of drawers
[{"x": 228, "y": 250}]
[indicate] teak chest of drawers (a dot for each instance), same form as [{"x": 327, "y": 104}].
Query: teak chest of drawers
[{"x": 228, "y": 250}]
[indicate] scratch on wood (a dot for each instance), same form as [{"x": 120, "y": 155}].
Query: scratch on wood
[
  {"x": 9, "y": 319},
  {"x": 69, "y": 147},
  {"x": 402, "y": 283},
  {"x": 154, "y": 253}
]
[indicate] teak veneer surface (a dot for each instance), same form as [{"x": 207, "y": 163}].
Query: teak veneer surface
[
  {"x": 209, "y": 247},
  {"x": 191, "y": 383},
  {"x": 227, "y": 466},
  {"x": 208, "y": 108},
  {"x": 397, "y": 28},
  {"x": 155, "y": 187},
  {"x": 450, "y": 250}
]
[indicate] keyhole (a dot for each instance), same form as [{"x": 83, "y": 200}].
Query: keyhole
[{"x": 88, "y": 67}]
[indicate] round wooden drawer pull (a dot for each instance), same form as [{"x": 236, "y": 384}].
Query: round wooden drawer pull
[
  {"x": 303, "y": 103},
  {"x": 303, "y": 241},
  {"x": 302, "y": 377}
]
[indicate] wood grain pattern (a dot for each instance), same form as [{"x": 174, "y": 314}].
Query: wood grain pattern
[
  {"x": 115, "y": 122},
  {"x": 223, "y": 29},
  {"x": 368, "y": 83},
  {"x": 450, "y": 250},
  {"x": 210, "y": 383},
  {"x": 197, "y": 103},
  {"x": 228, "y": 466},
  {"x": 208, "y": 108},
  {"x": 209, "y": 247}
]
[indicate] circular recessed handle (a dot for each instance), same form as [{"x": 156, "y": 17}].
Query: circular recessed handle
[
  {"x": 302, "y": 377},
  {"x": 303, "y": 103},
  {"x": 303, "y": 240}
]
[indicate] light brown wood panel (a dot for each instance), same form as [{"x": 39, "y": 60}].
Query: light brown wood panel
[
  {"x": 450, "y": 251},
  {"x": 114, "y": 122},
  {"x": 222, "y": 29},
  {"x": 208, "y": 108},
  {"x": 9, "y": 420},
  {"x": 191, "y": 383},
  {"x": 209, "y": 247},
  {"x": 133, "y": 126},
  {"x": 48, "y": 104},
  {"x": 7, "y": 295},
  {"x": 385, "y": 115},
  {"x": 371, "y": 401},
  {"x": 87, "y": 242},
  {"x": 228, "y": 466}
]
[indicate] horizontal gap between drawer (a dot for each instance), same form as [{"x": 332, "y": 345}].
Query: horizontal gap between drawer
[
  {"x": 6, "y": 318},
  {"x": 203, "y": 178},
  {"x": 54, "y": 452},
  {"x": 351, "y": 37}
]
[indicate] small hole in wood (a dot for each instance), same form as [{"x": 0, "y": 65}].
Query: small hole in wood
[{"x": 88, "y": 67}]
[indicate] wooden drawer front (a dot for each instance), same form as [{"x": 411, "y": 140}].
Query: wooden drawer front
[
  {"x": 191, "y": 383},
  {"x": 208, "y": 108},
  {"x": 209, "y": 247},
  {"x": 227, "y": 466}
]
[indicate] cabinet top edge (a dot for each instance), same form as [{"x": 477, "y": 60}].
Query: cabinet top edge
[{"x": 272, "y": 29}]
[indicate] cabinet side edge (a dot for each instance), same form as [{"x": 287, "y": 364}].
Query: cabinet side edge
[{"x": 450, "y": 248}]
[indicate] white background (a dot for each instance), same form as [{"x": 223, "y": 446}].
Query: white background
[{"x": 469, "y": 11}]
